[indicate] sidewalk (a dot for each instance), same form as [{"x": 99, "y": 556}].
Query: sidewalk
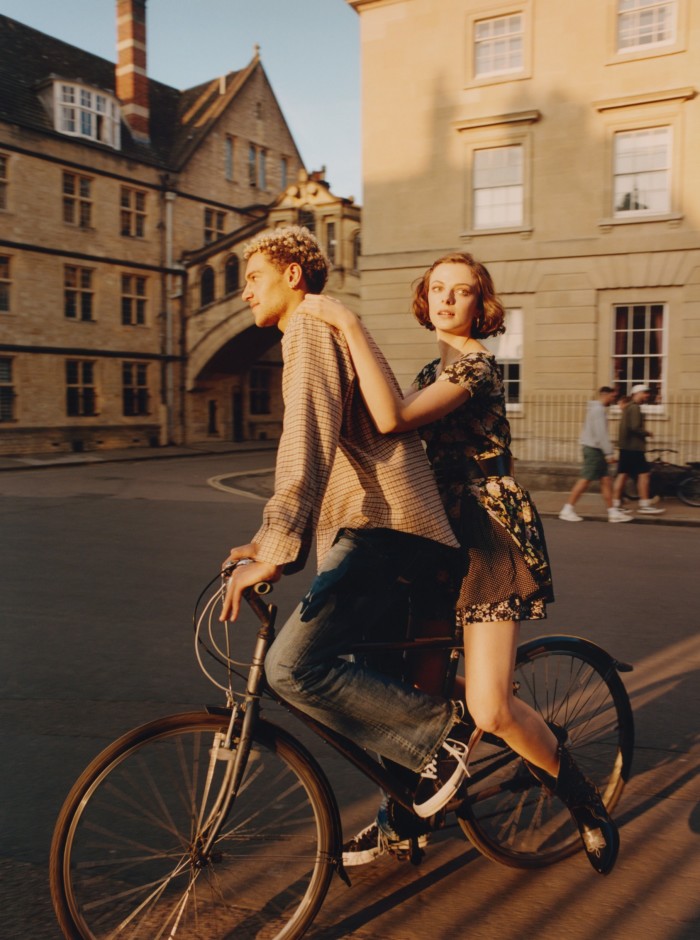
[
  {"x": 548, "y": 500},
  {"x": 133, "y": 454}
]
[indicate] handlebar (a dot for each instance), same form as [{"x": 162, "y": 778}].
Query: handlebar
[
  {"x": 261, "y": 588},
  {"x": 662, "y": 450}
]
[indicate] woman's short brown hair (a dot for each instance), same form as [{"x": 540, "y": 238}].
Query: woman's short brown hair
[{"x": 490, "y": 313}]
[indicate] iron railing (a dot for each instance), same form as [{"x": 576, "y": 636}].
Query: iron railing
[{"x": 546, "y": 427}]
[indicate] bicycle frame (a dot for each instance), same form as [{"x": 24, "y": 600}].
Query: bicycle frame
[{"x": 370, "y": 767}]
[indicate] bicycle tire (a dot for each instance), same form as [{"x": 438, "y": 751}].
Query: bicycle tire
[
  {"x": 630, "y": 491},
  {"x": 689, "y": 490},
  {"x": 123, "y": 856},
  {"x": 575, "y": 686}
]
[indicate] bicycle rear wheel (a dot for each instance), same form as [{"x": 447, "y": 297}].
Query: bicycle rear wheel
[
  {"x": 689, "y": 490},
  {"x": 125, "y": 859},
  {"x": 574, "y": 685}
]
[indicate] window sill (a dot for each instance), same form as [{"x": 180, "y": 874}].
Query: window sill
[
  {"x": 525, "y": 231},
  {"x": 634, "y": 54},
  {"x": 498, "y": 78},
  {"x": 672, "y": 219}
]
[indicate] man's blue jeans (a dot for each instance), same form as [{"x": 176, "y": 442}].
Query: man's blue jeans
[{"x": 350, "y": 599}]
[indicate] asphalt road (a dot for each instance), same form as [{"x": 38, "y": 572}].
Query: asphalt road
[{"x": 100, "y": 566}]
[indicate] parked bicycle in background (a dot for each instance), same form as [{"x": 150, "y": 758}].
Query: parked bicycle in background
[{"x": 670, "y": 479}]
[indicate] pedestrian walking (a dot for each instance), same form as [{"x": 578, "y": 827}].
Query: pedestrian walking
[
  {"x": 633, "y": 462},
  {"x": 597, "y": 456}
]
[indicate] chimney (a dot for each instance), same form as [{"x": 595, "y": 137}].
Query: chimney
[{"x": 131, "y": 77}]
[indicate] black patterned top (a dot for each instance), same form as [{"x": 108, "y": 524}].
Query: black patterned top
[{"x": 479, "y": 428}]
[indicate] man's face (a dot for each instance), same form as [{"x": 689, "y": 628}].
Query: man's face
[{"x": 270, "y": 293}]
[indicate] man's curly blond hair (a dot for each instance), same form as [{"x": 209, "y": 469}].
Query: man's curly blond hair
[{"x": 293, "y": 244}]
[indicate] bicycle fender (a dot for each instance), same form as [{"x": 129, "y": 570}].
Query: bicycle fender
[{"x": 532, "y": 647}]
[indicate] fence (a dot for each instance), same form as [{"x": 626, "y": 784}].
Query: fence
[{"x": 546, "y": 427}]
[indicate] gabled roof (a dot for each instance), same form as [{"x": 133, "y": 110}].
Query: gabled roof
[
  {"x": 179, "y": 120},
  {"x": 200, "y": 107}
]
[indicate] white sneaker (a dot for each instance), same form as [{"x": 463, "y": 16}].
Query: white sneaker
[
  {"x": 616, "y": 515},
  {"x": 569, "y": 514},
  {"x": 650, "y": 510},
  {"x": 442, "y": 778}
]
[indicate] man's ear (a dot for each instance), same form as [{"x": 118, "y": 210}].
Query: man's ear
[{"x": 294, "y": 275}]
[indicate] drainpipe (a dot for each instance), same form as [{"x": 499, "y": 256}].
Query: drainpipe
[{"x": 169, "y": 331}]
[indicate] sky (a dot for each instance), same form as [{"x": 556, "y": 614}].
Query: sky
[{"x": 308, "y": 48}]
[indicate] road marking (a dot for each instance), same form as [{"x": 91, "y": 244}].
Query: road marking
[{"x": 217, "y": 483}]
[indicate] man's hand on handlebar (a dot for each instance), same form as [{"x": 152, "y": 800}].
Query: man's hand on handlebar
[{"x": 245, "y": 576}]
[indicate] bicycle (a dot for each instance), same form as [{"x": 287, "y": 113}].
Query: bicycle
[
  {"x": 670, "y": 479},
  {"x": 221, "y": 824}
]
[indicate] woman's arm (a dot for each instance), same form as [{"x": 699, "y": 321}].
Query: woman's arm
[{"x": 389, "y": 411}]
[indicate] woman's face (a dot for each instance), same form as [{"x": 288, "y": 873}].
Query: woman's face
[{"x": 453, "y": 298}]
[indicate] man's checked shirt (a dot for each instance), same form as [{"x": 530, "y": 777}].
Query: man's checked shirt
[{"x": 334, "y": 470}]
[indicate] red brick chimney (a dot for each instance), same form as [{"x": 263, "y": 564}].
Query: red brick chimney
[{"x": 131, "y": 77}]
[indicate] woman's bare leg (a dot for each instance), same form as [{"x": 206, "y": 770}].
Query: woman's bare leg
[{"x": 490, "y": 650}]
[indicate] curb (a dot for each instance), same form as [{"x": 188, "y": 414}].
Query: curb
[{"x": 547, "y": 500}]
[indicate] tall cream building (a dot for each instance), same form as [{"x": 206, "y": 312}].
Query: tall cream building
[{"x": 558, "y": 142}]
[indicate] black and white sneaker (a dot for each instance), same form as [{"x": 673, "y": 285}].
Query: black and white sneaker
[
  {"x": 371, "y": 842},
  {"x": 441, "y": 779},
  {"x": 364, "y": 847}
]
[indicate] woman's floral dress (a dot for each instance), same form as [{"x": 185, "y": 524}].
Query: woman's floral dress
[{"x": 508, "y": 574}]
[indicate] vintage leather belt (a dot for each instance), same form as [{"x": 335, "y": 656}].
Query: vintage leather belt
[{"x": 477, "y": 468}]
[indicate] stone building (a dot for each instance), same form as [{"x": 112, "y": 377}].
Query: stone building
[
  {"x": 124, "y": 205},
  {"x": 225, "y": 395},
  {"x": 557, "y": 142}
]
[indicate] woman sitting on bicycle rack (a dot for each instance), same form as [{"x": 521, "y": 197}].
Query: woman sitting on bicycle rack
[{"x": 458, "y": 404}]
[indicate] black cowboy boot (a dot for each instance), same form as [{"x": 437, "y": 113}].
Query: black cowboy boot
[{"x": 598, "y": 832}]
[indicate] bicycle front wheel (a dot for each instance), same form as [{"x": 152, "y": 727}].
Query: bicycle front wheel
[
  {"x": 689, "y": 490},
  {"x": 126, "y": 856},
  {"x": 576, "y": 688}
]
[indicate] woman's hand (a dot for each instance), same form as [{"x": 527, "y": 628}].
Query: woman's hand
[{"x": 328, "y": 309}]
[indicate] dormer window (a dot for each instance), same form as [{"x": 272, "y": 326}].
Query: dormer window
[{"x": 81, "y": 111}]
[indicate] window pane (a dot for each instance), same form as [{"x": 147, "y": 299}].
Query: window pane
[
  {"x": 232, "y": 274},
  {"x": 644, "y": 23},
  {"x": 638, "y": 347},
  {"x": 498, "y": 45},
  {"x": 642, "y": 171},
  {"x": 498, "y": 187},
  {"x": 508, "y": 349}
]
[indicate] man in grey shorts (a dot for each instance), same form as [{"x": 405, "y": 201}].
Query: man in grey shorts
[{"x": 597, "y": 455}]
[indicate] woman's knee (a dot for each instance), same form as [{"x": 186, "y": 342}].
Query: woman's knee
[{"x": 493, "y": 717}]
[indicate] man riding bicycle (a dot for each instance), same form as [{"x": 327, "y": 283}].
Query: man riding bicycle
[{"x": 372, "y": 503}]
